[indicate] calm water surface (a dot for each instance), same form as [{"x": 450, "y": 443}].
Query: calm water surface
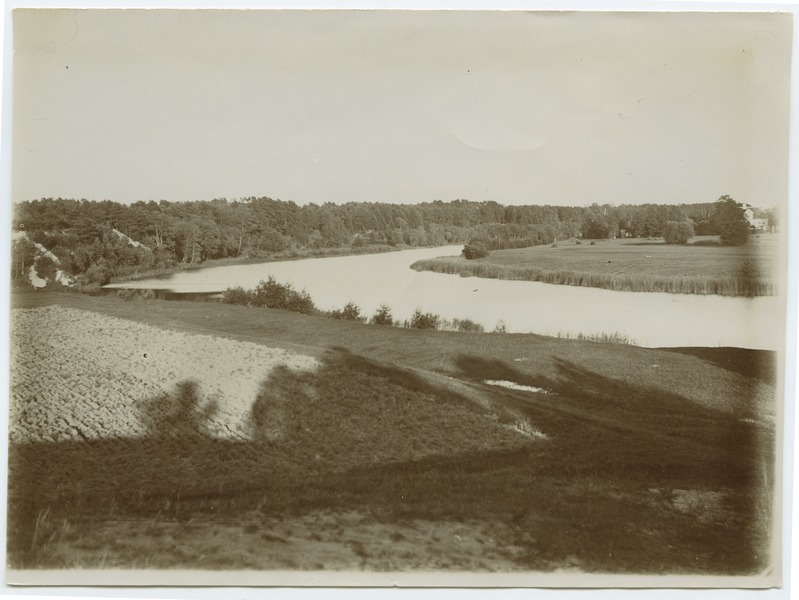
[{"x": 648, "y": 319}]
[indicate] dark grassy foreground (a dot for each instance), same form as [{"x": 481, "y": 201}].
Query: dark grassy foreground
[
  {"x": 632, "y": 266},
  {"x": 654, "y": 461}
]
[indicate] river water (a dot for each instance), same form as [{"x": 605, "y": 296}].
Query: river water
[{"x": 646, "y": 319}]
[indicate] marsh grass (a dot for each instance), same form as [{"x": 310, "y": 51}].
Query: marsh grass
[
  {"x": 746, "y": 283},
  {"x": 628, "y": 266}
]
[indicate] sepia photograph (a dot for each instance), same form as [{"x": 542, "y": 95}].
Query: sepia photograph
[{"x": 441, "y": 298}]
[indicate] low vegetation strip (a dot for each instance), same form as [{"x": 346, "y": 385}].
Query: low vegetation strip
[
  {"x": 621, "y": 283},
  {"x": 623, "y": 267},
  {"x": 79, "y": 375}
]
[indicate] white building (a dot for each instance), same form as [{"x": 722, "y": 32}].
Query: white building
[{"x": 754, "y": 223}]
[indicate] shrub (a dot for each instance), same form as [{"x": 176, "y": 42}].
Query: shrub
[
  {"x": 350, "y": 312},
  {"x": 463, "y": 325},
  {"x": 299, "y": 302},
  {"x": 126, "y": 294},
  {"x": 271, "y": 294},
  {"x": 132, "y": 294},
  {"x": 237, "y": 295},
  {"x": 500, "y": 327},
  {"x": 468, "y": 325},
  {"x": 382, "y": 316},
  {"x": 677, "y": 232},
  {"x": 420, "y": 320},
  {"x": 474, "y": 250}
]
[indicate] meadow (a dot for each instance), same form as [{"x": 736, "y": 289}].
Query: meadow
[
  {"x": 631, "y": 265},
  {"x": 356, "y": 446}
]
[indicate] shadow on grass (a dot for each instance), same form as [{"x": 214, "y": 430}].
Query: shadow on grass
[
  {"x": 302, "y": 427},
  {"x": 583, "y": 497},
  {"x": 405, "y": 378},
  {"x": 676, "y": 442},
  {"x": 757, "y": 364},
  {"x": 624, "y": 406}
]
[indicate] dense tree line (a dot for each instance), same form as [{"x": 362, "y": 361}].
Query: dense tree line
[{"x": 95, "y": 241}]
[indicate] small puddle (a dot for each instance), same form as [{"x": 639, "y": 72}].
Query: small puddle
[{"x": 517, "y": 386}]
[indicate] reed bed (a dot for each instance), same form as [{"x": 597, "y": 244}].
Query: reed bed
[{"x": 745, "y": 283}]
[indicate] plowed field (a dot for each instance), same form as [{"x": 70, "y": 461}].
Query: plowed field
[{"x": 80, "y": 375}]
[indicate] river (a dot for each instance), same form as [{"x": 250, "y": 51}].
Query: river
[{"x": 646, "y": 319}]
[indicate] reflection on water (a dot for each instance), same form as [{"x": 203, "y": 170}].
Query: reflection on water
[{"x": 648, "y": 319}]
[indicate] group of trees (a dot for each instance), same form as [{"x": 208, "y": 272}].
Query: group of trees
[
  {"x": 93, "y": 240},
  {"x": 271, "y": 294},
  {"x": 726, "y": 219}
]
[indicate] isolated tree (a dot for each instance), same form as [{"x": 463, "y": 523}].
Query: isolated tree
[
  {"x": 729, "y": 220},
  {"x": 677, "y": 232}
]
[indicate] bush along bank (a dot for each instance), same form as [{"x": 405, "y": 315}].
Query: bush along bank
[{"x": 272, "y": 294}]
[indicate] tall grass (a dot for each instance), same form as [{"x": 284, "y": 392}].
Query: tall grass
[
  {"x": 744, "y": 283},
  {"x": 608, "y": 338}
]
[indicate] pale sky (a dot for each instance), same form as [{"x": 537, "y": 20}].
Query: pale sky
[{"x": 335, "y": 106}]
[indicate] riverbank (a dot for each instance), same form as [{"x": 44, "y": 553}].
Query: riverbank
[
  {"x": 630, "y": 265},
  {"x": 284, "y": 256},
  {"x": 392, "y": 449},
  {"x": 379, "y": 280}
]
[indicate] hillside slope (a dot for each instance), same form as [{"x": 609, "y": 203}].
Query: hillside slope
[{"x": 382, "y": 449}]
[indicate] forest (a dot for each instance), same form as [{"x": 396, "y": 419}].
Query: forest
[{"x": 95, "y": 242}]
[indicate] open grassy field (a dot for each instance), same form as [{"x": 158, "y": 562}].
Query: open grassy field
[
  {"x": 631, "y": 265},
  {"x": 259, "y": 439}
]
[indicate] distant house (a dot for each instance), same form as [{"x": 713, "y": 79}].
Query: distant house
[{"x": 755, "y": 223}]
